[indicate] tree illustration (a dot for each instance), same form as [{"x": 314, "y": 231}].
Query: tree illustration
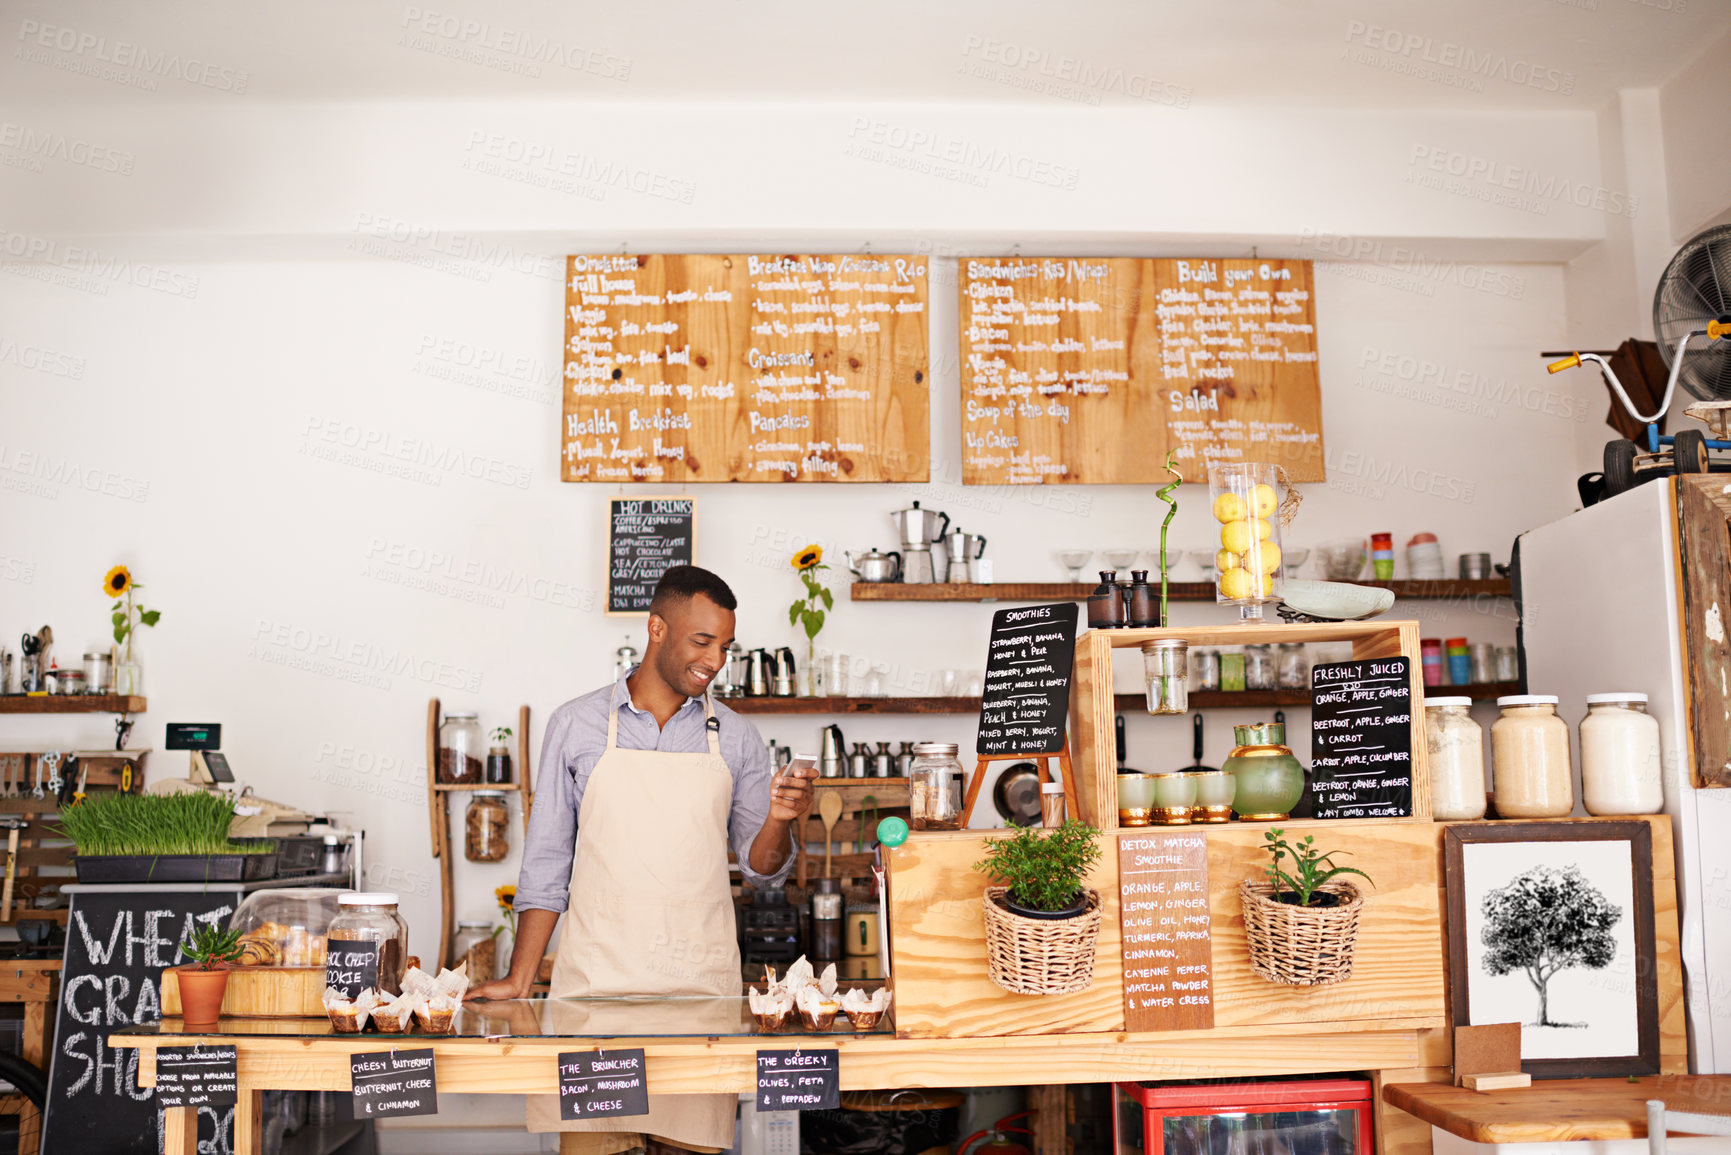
[{"x": 1544, "y": 921}]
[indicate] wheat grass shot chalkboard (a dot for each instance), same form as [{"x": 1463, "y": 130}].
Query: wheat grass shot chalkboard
[
  {"x": 1027, "y": 693},
  {"x": 645, "y": 538},
  {"x": 1361, "y": 739}
]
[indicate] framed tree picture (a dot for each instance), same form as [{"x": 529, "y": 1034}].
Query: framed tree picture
[{"x": 1551, "y": 926}]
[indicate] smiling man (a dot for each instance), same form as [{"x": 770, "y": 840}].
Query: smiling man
[{"x": 644, "y": 785}]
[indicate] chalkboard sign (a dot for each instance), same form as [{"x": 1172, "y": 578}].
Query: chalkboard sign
[
  {"x": 646, "y": 537},
  {"x": 196, "y": 1077},
  {"x": 352, "y": 967},
  {"x": 117, "y": 944},
  {"x": 1167, "y": 942},
  {"x": 1361, "y": 739},
  {"x": 1026, "y": 703},
  {"x": 392, "y": 1084},
  {"x": 600, "y": 1084},
  {"x": 798, "y": 1080}
]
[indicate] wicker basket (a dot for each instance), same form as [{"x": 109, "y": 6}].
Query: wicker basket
[
  {"x": 1297, "y": 945},
  {"x": 1039, "y": 956}
]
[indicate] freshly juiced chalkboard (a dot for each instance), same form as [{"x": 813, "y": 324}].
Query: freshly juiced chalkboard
[
  {"x": 798, "y": 1080},
  {"x": 601, "y": 1084},
  {"x": 1361, "y": 739},
  {"x": 196, "y": 1077},
  {"x": 645, "y": 538},
  {"x": 394, "y": 1084},
  {"x": 1027, "y": 694},
  {"x": 117, "y": 944}
]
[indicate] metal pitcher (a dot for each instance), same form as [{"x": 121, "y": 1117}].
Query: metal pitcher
[
  {"x": 873, "y": 566},
  {"x": 759, "y": 673},
  {"x": 859, "y": 763},
  {"x": 783, "y": 677},
  {"x": 883, "y": 762},
  {"x": 920, "y": 528},
  {"x": 832, "y": 754}
]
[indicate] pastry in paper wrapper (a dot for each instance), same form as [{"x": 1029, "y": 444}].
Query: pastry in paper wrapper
[
  {"x": 349, "y": 1016},
  {"x": 437, "y": 998},
  {"x": 437, "y": 1014},
  {"x": 770, "y": 1008},
  {"x": 393, "y": 1016},
  {"x": 862, "y": 1010},
  {"x": 816, "y": 1009}
]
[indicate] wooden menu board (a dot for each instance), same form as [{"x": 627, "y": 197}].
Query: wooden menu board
[
  {"x": 745, "y": 368},
  {"x": 1167, "y": 940},
  {"x": 1087, "y": 370}
]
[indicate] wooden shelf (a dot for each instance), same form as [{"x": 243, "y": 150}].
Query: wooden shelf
[
  {"x": 1128, "y": 703},
  {"x": 1177, "y": 591},
  {"x": 446, "y": 787},
  {"x": 853, "y": 705},
  {"x": 72, "y": 704}
]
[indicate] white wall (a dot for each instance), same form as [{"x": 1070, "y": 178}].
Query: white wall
[{"x": 1697, "y": 172}]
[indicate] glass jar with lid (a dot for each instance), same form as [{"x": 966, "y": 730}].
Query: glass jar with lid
[
  {"x": 1292, "y": 668},
  {"x": 935, "y": 787},
  {"x": 485, "y": 824},
  {"x": 1258, "y": 666},
  {"x": 1530, "y": 768},
  {"x": 367, "y": 938},
  {"x": 1168, "y": 682},
  {"x": 98, "y": 672},
  {"x": 461, "y": 752},
  {"x": 477, "y": 945},
  {"x": 1456, "y": 747},
  {"x": 1620, "y": 764}
]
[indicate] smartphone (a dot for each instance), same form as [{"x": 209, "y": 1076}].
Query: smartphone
[{"x": 803, "y": 766}]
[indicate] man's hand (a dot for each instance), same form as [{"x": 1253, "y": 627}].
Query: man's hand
[
  {"x": 505, "y": 988},
  {"x": 534, "y": 932},
  {"x": 790, "y": 794}
]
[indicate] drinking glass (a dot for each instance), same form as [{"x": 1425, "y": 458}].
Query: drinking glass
[
  {"x": 1203, "y": 559},
  {"x": 1294, "y": 559},
  {"x": 1075, "y": 559},
  {"x": 835, "y": 678},
  {"x": 1121, "y": 559},
  {"x": 876, "y": 681},
  {"x": 976, "y": 685}
]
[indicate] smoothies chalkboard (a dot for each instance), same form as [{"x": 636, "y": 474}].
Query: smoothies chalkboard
[
  {"x": 1361, "y": 739},
  {"x": 646, "y": 537},
  {"x": 1027, "y": 692}
]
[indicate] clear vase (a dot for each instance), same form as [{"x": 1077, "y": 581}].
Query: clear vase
[
  {"x": 128, "y": 677},
  {"x": 502, "y": 958}
]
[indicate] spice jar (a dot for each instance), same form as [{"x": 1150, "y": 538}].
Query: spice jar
[
  {"x": 1481, "y": 656},
  {"x": 1106, "y": 603},
  {"x": 1051, "y": 805},
  {"x": 1258, "y": 667},
  {"x": 1456, "y": 745},
  {"x": 1620, "y": 764},
  {"x": 1168, "y": 682},
  {"x": 98, "y": 672},
  {"x": 484, "y": 826},
  {"x": 476, "y": 945},
  {"x": 1530, "y": 758},
  {"x": 460, "y": 750},
  {"x": 1292, "y": 668},
  {"x": 499, "y": 761},
  {"x": 1508, "y": 664},
  {"x": 368, "y": 919},
  {"x": 1205, "y": 665},
  {"x": 935, "y": 787}
]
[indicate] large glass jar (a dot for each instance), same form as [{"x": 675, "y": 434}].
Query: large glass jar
[
  {"x": 1620, "y": 762},
  {"x": 484, "y": 827},
  {"x": 477, "y": 945},
  {"x": 1246, "y": 499},
  {"x": 935, "y": 787},
  {"x": 1456, "y": 747},
  {"x": 1292, "y": 668},
  {"x": 461, "y": 751},
  {"x": 1258, "y": 667},
  {"x": 368, "y": 919},
  {"x": 1168, "y": 682},
  {"x": 1270, "y": 779},
  {"x": 1530, "y": 758}
]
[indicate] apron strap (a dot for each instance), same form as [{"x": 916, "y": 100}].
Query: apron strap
[{"x": 711, "y": 725}]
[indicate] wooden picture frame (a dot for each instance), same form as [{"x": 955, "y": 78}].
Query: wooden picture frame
[{"x": 1469, "y": 880}]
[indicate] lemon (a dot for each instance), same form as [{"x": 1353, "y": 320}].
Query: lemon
[
  {"x": 1237, "y": 536},
  {"x": 1237, "y": 583},
  {"x": 1267, "y": 585},
  {"x": 1266, "y": 501},
  {"x": 1264, "y": 529},
  {"x": 1229, "y": 507},
  {"x": 1268, "y": 557},
  {"x": 1226, "y": 559}
]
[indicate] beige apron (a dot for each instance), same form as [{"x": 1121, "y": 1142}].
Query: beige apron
[{"x": 651, "y": 911}]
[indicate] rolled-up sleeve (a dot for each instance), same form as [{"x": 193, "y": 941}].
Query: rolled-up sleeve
[
  {"x": 549, "y": 847},
  {"x": 751, "y": 778}
]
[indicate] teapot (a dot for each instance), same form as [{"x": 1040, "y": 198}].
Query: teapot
[{"x": 873, "y": 566}]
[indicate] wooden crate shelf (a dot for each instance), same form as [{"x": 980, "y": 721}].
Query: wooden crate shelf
[
  {"x": 853, "y": 705},
  {"x": 1177, "y": 591},
  {"x": 72, "y": 704},
  {"x": 1124, "y": 703}
]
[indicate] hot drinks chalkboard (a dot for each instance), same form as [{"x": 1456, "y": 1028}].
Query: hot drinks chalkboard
[
  {"x": 646, "y": 537},
  {"x": 1361, "y": 739},
  {"x": 1027, "y": 690}
]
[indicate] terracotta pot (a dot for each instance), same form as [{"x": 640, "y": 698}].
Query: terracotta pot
[{"x": 201, "y": 994}]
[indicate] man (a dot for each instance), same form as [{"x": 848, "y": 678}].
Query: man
[{"x": 659, "y": 780}]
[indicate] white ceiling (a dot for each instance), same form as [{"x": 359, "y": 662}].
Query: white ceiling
[{"x": 1138, "y": 53}]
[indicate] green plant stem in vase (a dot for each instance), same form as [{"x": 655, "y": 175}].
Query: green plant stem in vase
[
  {"x": 808, "y": 612},
  {"x": 127, "y": 616},
  {"x": 1165, "y": 493}
]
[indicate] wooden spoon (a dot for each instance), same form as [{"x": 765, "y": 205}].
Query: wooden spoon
[{"x": 828, "y": 809}]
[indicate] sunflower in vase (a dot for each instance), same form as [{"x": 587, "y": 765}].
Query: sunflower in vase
[
  {"x": 128, "y": 615},
  {"x": 808, "y": 611}
]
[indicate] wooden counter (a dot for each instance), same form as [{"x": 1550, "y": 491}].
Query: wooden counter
[{"x": 1559, "y": 1109}]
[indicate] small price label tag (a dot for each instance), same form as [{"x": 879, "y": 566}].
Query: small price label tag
[
  {"x": 392, "y": 1084},
  {"x": 601, "y": 1084},
  {"x": 798, "y": 1080}
]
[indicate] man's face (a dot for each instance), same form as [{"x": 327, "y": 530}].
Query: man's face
[{"x": 692, "y": 644}]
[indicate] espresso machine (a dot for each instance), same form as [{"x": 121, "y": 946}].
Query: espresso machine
[{"x": 920, "y": 529}]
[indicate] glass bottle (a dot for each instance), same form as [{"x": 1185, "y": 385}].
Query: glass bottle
[
  {"x": 371, "y": 917},
  {"x": 460, "y": 750},
  {"x": 1258, "y": 667},
  {"x": 499, "y": 764},
  {"x": 1456, "y": 745},
  {"x": 1270, "y": 779},
  {"x": 1205, "y": 664},
  {"x": 1620, "y": 764},
  {"x": 1142, "y": 603},
  {"x": 1530, "y": 758},
  {"x": 935, "y": 787},
  {"x": 485, "y": 824},
  {"x": 1168, "y": 681},
  {"x": 1106, "y": 603}
]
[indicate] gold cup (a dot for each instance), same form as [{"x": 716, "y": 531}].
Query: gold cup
[
  {"x": 1215, "y": 790},
  {"x": 1135, "y": 799},
  {"x": 1174, "y": 799}
]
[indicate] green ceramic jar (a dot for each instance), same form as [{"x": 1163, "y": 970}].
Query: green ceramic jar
[{"x": 1270, "y": 777}]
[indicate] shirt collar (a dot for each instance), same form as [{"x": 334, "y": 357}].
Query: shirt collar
[{"x": 622, "y": 697}]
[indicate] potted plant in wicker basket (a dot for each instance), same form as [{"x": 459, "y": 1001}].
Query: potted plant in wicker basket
[
  {"x": 1041, "y": 921},
  {"x": 1301, "y": 924}
]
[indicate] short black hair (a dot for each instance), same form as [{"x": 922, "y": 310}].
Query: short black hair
[{"x": 684, "y": 582}]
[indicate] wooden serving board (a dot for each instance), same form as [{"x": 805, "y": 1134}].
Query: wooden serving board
[{"x": 261, "y": 993}]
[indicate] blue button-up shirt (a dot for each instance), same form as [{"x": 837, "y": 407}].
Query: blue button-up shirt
[{"x": 576, "y": 738}]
